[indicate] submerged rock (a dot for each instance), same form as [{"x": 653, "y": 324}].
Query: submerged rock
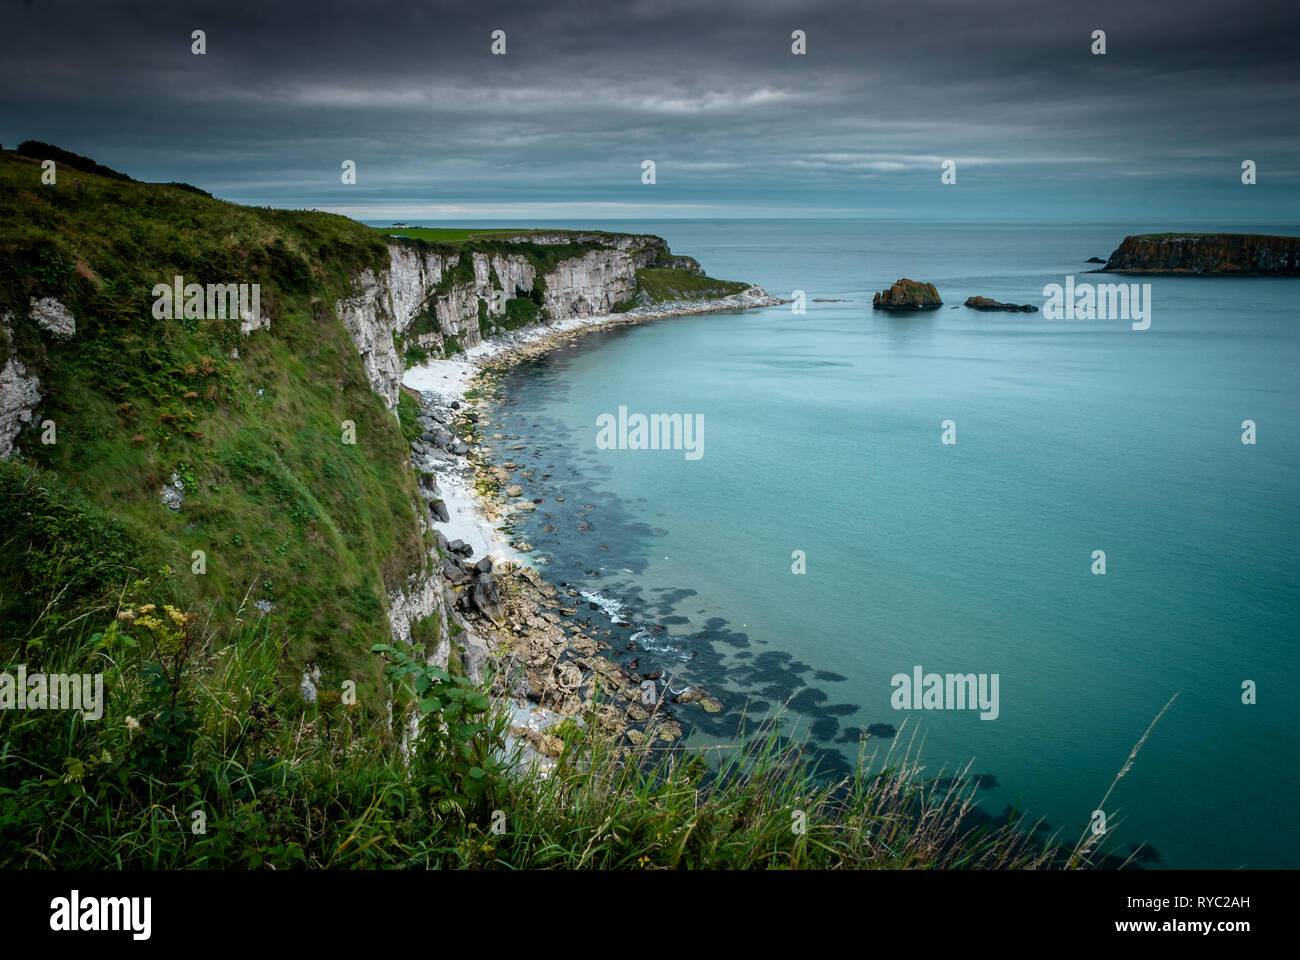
[{"x": 986, "y": 303}]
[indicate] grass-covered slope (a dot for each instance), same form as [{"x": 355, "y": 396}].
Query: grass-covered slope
[
  {"x": 455, "y": 236},
  {"x": 251, "y": 426},
  {"x": 660, "y": 284}
]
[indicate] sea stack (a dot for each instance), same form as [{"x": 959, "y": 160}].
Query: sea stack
[{"x": 907, "y": 295}]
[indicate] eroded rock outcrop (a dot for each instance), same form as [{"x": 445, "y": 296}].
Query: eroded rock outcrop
[
  {"x": 907, "y": 295},
  {"x": 385, "y": 303},
  {"x": 20, "y": 393},
  {"x": 20, "y": 387},
  {"x": 987, "y": 303},
  {"x": 590, "y": 285},
  {"x": 1206, "y": 254},
  {"x": 52, "y": 316}
]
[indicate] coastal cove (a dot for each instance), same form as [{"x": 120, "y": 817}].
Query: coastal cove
[
  {"x": 660, "y": 439},
  {"x": 824, "y": 437}
]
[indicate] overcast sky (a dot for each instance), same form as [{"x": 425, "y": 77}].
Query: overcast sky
[{"x": 439, "y": 127}]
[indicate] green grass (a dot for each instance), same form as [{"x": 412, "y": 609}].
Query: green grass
[
  {"x": 458, "y": 235},
  {"x": 661, "y": 284},
  {"x": 449, "y": 235},
  {"x": 408, "y": 412},
  {"x": 283, "y": 510}
]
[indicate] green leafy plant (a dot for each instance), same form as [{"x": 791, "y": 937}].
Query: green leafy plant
[{"x": 456, "y": 758}]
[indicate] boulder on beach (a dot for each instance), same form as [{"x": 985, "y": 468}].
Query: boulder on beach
[
  {"x": 907, "y": 295},
  {"x": 428, "y": 485},
  {"x": 485, "y": 597},
  {"x": 986, "y": 303},
  {"x": 455, "y": 570}
]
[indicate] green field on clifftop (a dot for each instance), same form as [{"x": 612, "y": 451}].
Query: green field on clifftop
[{"x": 459, "y": 235}]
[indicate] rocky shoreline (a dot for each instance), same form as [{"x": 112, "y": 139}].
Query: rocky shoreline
[{"x": 554, "y": 645}]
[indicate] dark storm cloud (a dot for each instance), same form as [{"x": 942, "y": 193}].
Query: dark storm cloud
[{"x": 709, "y": 91}]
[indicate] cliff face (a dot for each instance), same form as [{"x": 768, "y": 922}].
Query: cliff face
[
  {"x": 591, "y": 285},
  {"x": 385, "y": 303},
  {"x": 428, "y": 297},
  {"x": 1218, "y": 254}
]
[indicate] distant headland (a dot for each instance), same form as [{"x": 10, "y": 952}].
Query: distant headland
[{"x": 1206, "y": 254}]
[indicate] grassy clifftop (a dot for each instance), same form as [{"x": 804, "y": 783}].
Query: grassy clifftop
[{"x": 249, "y": 427}]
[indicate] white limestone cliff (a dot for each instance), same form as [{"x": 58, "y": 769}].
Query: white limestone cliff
[
  {"x": 384, "y": 305},
  {"x": 20, "y": 389},
  {"x": 20, "y": 394}
]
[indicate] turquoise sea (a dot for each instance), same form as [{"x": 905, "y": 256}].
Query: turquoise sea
[{"x": 822, "y": 434}]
